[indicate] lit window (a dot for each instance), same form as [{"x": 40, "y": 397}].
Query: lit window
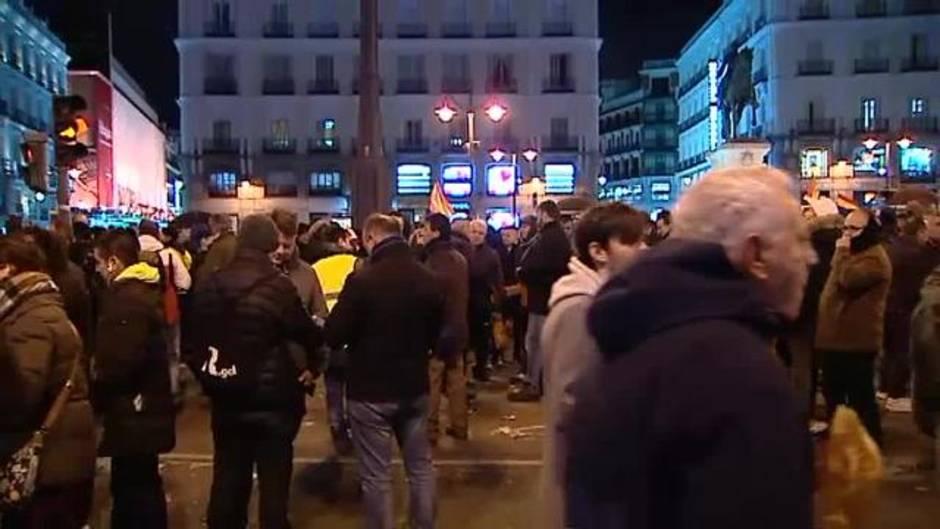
[
  {"x": 918, "y": 107},
  {"x": 326, "y": 182},
  {"x": 223, "y": 184},
  {"x": 869, "y": 112},
  {"x": 814, "y": 163}
]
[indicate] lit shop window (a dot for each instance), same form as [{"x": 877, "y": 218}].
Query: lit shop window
[
  {"x": 917, "y": 161},
  {"x": 223, "y": 184},
  {"x": 500, "y": 180},
  {"x": 814, "y": 163},
  {"x": 871, "y": 160}
]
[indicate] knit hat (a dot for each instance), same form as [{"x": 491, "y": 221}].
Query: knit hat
[{"x": 257, "y": 232}]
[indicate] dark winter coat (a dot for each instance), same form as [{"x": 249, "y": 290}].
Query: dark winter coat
[
  {"x": 390, "y": 315},
  {"x": 453, "y": 276},
  {"x": 852, "y": 306},
  {"x": 132, "y": 382},
  {"x": 544, "y": 262},
  {"x": 911, "y": 263},
  {"x": 267, "y": 317},
  {"x": 690, "y": 421},
  {"x": 219, "y": 255},
  {"x": 37, "y": 350},
  {"x": 486, "y": 280}
]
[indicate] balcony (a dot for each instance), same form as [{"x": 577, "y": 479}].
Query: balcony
[
  {"x": 817, "y": 126},
  {"x": 863, "y": 126},
  {"x": 357, "y": 30},
  {"x": 412, "y": 145},
  {"x": 221, "y": 145},
  {"x": 871, "y": 8},
  {"x": 412, "y": 86},
  {"x": 502, "y": 86},
  {"x": 863, "y": 66},
  {"x": 412, "y": 30},
  {"x": 355, "y": 86},
  {"x": 696, "y": 118},
  {"x": 278, "y": 87},
  {"x": 495, "y": 30},
  {"x": 688, "y": 163},
  {"x": 280, "y": 189},
  {"x": 323, "y": 30},
  {"x": 322, "y": 87},
  {"x": 814, "y": 10},
  {"x": 814, "y": 67},
  {"x": 279, "y": 146},
  {"x": 220, "y": 86},
  {"x": 660, "y": 144},
  {"x": 923, "y": 124},
  {"x": 456, "y": 30},
  {"x": 760, "y": 76},
  {"x": 554, "y": 85},
  {"x": 280, "y": 29},
  {"x": 557, "y": 143},
  {"x": 456, "y": 86},
  {"x": 919, "y": 64},
  {"x": 558, "y": 28},
  {"x": 218, "y": 29},
  {"x": 323, "y": 145},
  {"x": 921, "y": 7},
  {"x": 693, "y": 81}
]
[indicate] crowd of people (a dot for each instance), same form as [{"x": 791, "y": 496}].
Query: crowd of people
[{"x": 677, "y": 362}]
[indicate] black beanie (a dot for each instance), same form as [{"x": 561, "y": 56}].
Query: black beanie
[{"x": 257, "y": 232}]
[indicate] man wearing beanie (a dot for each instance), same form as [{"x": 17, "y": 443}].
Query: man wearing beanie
[{"x": 246, "y": 316}]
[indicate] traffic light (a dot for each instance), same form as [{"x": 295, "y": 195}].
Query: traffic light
[
  {"x": 36, "y": 162},
  {"x": 70, "y": 127}
]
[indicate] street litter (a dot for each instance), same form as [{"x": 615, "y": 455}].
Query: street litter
[{"x": 518, "y": 433}]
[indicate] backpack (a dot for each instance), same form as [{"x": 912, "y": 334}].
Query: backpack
[
  {"x": 223, "y": 365},
  {"x": 171, "y": 300}
]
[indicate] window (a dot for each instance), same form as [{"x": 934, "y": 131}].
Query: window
[
  {"x": 919, "y": 47},
  {"x": 220, "y": 66},
  {"x": 814, "y": 163},
  {"x": 918, "y": 107},
  {"x": 326, "y": 182},
  {"x": 456, "y": 66},
  {"x": 501, "y": 10},
  {"x": 277, "y": 67},
  {"x": 560, "y": 68},
  {"x": 501, "y": 71},
  {"x": 327, "y": 133},
  {"x": 280, "y": 184},
  {"x": 414, "y": 134},
  {"x": 871, "y": 49},
  {"x": 221, "y": 13},
  {"x": 558, "y": 10},
  {"x": 223, "y": 184},
  {"x": 559, "y": 128},
  {"x": 411, "y": 66},
  {"x": 869, "y": 112},
  {"x": 324, "y": 68},
  {"x": 222, "y": 130},
  {"x": 280, "y": 132},
  {"x": 455, "y": 11},
  {"x": 408, "y": 11},
  {"x": 279, "y": 13}
]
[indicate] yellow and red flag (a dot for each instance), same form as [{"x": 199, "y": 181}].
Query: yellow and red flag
[{"x": 439, "y": 202}]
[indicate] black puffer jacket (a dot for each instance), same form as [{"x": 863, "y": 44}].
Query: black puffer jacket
[
  {"x": 543, "y": 263},
  {"x": 267, "y": 317},
  {"x": 132, "y": 375}
]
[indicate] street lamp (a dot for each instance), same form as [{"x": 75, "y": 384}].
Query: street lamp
[
  {"x": 530, "y": 155},
  {"x": 445, "y": 113},
  {"x": 496, "y": 112},
  {"x": 905, "y": 142},
  {"x": 498, "y": 155}
]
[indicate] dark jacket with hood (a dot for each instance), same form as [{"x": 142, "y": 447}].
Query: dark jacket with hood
[
  {"x": 267, "y": 316},
  {"x": 451, "y": 269},
  {"x": 132, "y": 368},
  {"x": 390, "y": 316},
  {"x": 690, "y": 421},
  {"x": 544, "y": 262}
]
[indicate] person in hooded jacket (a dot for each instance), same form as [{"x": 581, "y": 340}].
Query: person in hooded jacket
[
  {"x": 690, "y": 420},
  {"x": 132, "y": 383},
  {"x": 255, "y": 426},
  {"x": 607, "y": 239},
  {"x": 40, "y": 351},
  {"x": 850, "y": 328}
]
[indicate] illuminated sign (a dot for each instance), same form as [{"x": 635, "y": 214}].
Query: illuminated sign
[
  {"x": 414, "y": 179},
  {"x": 713, "y": 104},
  {"x": 457, "y": 180},
  {"x": 661, "y": 191},
  {"x": 916, "y": 161},
  {"x": 500, "y": 218},
  {"x": 871, "y": 161},
  {"x": 559, "y": 178},
  {"x": 461, "y": 210},
  {"x": 500, "y": 180},
  {"x": 814, "y": 163}
]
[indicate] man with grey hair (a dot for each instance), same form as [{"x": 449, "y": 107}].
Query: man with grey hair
[{"x": 691, "y": 421}]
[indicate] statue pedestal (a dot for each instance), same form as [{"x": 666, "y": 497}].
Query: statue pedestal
[{"x": 739, "y": 153}]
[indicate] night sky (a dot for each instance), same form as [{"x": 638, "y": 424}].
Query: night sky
[{"x": 633, "y": 31}]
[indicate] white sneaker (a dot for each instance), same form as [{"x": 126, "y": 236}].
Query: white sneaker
[
  {"x": 899, "y": 406},
  {"x": 817, "y": 427}
]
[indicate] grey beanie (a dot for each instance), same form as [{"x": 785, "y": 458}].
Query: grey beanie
[{"x": 257, "y": 232}]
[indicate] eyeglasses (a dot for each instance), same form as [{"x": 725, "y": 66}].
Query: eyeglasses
[{"x": 854, "y": 228}]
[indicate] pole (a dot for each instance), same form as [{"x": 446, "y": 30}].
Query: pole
[
  {"x": 515, "y": 186},
  {"x": 369, "y": 185}
]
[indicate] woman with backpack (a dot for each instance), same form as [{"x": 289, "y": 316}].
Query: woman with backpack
[{"x": 44, "y": 398}]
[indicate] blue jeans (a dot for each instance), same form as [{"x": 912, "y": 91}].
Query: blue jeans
[
  {"x": 373, "y": 425},
  {"x": 336, "y": 399}
]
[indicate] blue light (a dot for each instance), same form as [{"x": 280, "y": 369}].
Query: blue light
[
  {"x": 559, "y": 178},
  {"x": 916, "y": 161},
  {"x": 414, "y": 179}
]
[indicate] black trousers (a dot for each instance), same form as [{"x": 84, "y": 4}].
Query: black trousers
[
  {"x": 240, "y": 448},
  {"x": 896, "y": 371},
  {"x": 849, "y": 379},
  {"x": 53, "y": 507},
  {"x": 481, "y": 339},
  {"x": 137, "y": 492}
]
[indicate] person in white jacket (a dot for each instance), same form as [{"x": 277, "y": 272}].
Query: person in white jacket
[
  {"x": 606, "y": 238},
  {"x": 174, "y": 265}
]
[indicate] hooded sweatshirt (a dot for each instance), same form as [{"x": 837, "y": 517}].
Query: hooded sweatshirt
[
  {"x": 169, "y": 257},
  {"x": 570, "y": 352},
  {"x": 690, "y": 420}
]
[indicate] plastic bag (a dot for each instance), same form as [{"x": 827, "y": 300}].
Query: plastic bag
[{"x": 849, "y": 467}]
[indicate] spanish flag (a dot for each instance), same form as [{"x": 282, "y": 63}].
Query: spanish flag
[
  {"x": 846, "y": 200},
  {"x": 439, "y": 202}
]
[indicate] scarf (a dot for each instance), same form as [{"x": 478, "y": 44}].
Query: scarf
[
  {"x": 19, "y": 288},
  {"x": 869, "y": 237}
]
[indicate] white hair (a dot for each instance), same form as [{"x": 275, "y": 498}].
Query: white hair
[
  {"x": 730, "y": 205},
  {"x": 479, "y": 223}
]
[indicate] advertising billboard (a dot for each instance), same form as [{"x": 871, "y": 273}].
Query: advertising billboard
[
  {"x": 500, "y": 180},
  {"x": 139, "y": 157},
  {"x": 457, "y": 180},
  {"x": 413, "y": 179}
]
